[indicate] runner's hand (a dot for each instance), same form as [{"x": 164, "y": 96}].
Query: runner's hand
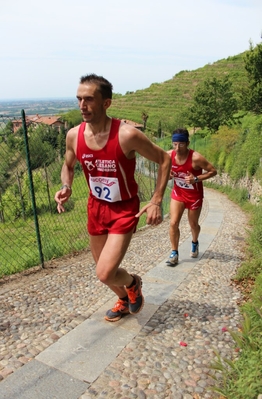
[
  {"x": 189, "y": 179},
  {"x": 154, "y": 214},
  {"x": 61, "y": 197}
]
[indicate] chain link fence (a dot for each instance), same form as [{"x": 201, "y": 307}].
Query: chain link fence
[{"x": 31, "y": 230}]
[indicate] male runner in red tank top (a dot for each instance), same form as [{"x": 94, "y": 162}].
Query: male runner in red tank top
[
  {"x": 106, "y": 149},
  {"x": 189, "y": 168}
]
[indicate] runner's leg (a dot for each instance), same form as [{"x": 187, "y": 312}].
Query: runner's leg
[
  {"x": 193, "y": 218},
  {"x": 176, "y": 211},
  {"x": 108, "y": 252}
]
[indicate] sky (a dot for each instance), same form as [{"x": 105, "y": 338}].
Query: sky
[{"x": 46, "y": 46}]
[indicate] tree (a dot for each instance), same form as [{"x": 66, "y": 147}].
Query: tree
[
  {"x": 145, "y": 117},
  {"x": 6, "y": 132},
  {"x": 41, "y": 151},
  {"x": 72, "y": 118},
  {"x": 159, "y": 130},
  {"x": 61, "y": 142},
  {"x": 49, "y": 134},
  {"x": 213, "y": 104},
  {"x": 16, "y": 201},
  {"x": 252, "y": 96},
  {"x": 5, "y": 165}
]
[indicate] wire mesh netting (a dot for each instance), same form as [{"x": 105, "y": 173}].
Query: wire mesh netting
[{"x": 31, "y": 230}]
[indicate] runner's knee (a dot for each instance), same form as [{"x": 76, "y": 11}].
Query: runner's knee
[
  {"x": 106, "y": 276},
  {"x": 174, "y": 224}
]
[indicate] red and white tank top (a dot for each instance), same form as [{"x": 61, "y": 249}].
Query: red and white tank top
[
  {"x": 182, "y": 190},
  {"x": 109, "y": 173}
]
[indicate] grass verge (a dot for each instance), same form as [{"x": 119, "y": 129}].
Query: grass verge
[{"x": 242, "y": 378}]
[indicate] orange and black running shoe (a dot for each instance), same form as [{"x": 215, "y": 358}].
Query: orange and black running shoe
[
  {"x": 120, "y": 308},
  {"x": 135, "y": 297}
]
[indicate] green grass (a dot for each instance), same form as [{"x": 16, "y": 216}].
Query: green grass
[
  {"x": 18, "y": 242},
  {"x": 18, "y": 248}
]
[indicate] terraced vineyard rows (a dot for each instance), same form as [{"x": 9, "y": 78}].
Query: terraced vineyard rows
[{"x": 167, "y": 101}]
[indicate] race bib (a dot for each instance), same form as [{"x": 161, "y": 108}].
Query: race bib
[
  {"x": 105, "y": 188},
  {"x": 182, "y": 184}
]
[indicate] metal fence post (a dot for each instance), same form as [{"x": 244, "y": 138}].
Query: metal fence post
[{"x": 32, "y": 191}]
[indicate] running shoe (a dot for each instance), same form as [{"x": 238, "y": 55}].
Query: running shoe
[
  {"x": 194, "y": 250},
  {"x": 120, "y": 308},
  {"x": 173, "y": 259},
  {"x": 135, "y": 297}
]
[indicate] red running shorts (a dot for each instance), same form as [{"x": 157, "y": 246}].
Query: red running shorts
[{"x": 112, "y": 217}]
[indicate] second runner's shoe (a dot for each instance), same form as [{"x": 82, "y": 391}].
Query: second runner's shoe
[
  {"x": 194, "y": 250},
  {"x": 173, "y": 259}
]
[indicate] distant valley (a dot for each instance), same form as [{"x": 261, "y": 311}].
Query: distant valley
[{"x": 12, "y": 108}]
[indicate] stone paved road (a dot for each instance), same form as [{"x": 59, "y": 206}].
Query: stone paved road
[{"x": 38, "y": 309}]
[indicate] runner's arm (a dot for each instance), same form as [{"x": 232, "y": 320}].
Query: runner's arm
[
  {"x": 200, "y": 162},
  {"x": 67, "y": 172},
  {"x": 133, "y": 140}
]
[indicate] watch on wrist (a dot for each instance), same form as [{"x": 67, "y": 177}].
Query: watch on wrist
[
  {"x": 66, "y": 186},
  {"x": 196, "y": 179}
]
